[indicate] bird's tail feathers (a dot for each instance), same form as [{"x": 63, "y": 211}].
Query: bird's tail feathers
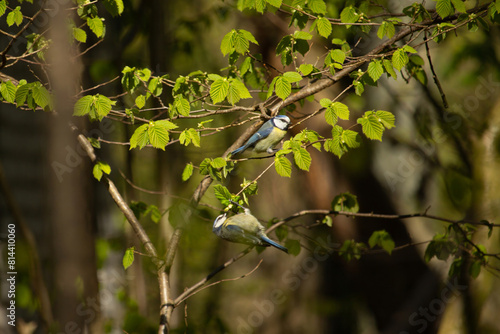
[
  {"x": 274, "y": 244},
  {"x": 239, "y": 150}
]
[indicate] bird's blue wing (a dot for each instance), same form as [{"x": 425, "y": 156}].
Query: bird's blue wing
[
  {"x": 241, "y": 235},
  {"x": 264, "y": 131}
]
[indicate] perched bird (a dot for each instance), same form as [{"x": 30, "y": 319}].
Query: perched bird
[
  {"x": 268, "y": 135},
  {"x": 243, "y": 228}
]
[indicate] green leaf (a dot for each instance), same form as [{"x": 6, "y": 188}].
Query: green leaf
[
  {"x": 128, "y": 257},
  {"x": 140, "y": 137},
  {"x": 83, "y": 105},
  {"x": 275, "y": 3},
  {"x": 222, "y": 194},
  {"x": 187, "y": 172},
  {"x": 306, "y": 69},
  {"x": 102, "y": 106},
  {"x": 41, "y": 95},
  {"x": 389, "y": 68},
  {"x": 140, "y": 101},
  {"x": 328, "y": 221},
  {"x": 283, "y": 87},
  {"x": 292, "y": 77},
  {"x": 190, "y": 136},
  {"x": 382, "y": 239},
  {"x": 271, "y": 87},
  {"x": 459, "y": 5},
  {"x": 182, "y": 106},
  {"x": 371, "y": 126},
  {"x": 317, "y": 6},
  {"x": 80, "y": 35},
  {"x": 399, "y": 59},
  {"x": 226, "y": 45},
  {"x": 293, "y": 246},
  {"x": 302, "y": 158},
  {"x": 114, "y": 7},
  {"x": 345, "y": 202},
  {"x": 158, "y": 133},
  {"x": 219, "y": 90},
  {"x": 299, "y": 34},
  {"x": 351, "y": 138},
  {"x": 218, "y": 162},
  {"x": 15, "y": 16},
  {"x": 3, "y": 7},
  {"x": 349, "y": 15},
  {"x": 99, "y": 169},
  {"x": 242, "y": 89},
  {"x": 375, "y": 69},
  {"x": 248, "y": 35},
  {"x": 95, "y": 24},
  {"x": 8, "y": 91},
  {"x": 324, "y": 26},
  {"x": 386, "y": 118},
  {"x": 283, "y": 166},
  {"x": 338, "y": 55},
  {"x": 386, "y": 29},
  {"x": 444, "y": 8},
  {"x": 155, "y": 86},
  {"x": 351, "y": 250}
]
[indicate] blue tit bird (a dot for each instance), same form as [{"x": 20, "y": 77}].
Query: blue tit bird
[
  {"x": 268, "y": 135},
  {"x": 243, "y": 228}
]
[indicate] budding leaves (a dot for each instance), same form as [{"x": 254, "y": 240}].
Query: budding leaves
[
  {"x": 383, "y": 240},
  {"x": 155, "y": 133},
  {"x": 237, "y": 41},
  {"x": 334, "y": 111},
  {"x": 232, "y": 89},
  {"x": 99, "y": 169},
  {"x": 282, "y": 84},
  {"x": 96, "y": 106},
  {"x": 374, "y": 123}
]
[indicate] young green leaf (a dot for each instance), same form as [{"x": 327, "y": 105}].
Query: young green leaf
[
  {"x": 83, "y": 105},
  {"x": 283, "y": 87},
  {"x": 283, "y": 166},
  {"x": 140, "y": 101},
  {"x": 128, "y": 258},
  {"x": 306, "y": 69},
  {"x": 317, "y": 6},
  {"x": 99, "y": 169},
  {"x": 114, "y": 7},
  {"x": 375, "y": 69},
  {"x": 324, "y": 26},
  {"x": 345, "y": 202},
  {"x": 3, "y": 7},
  {"x": 222, "y": 194},
  {"x": 399, "y": 59},
  {"x": 444, "y": 8},
  {"x": 275, "y": 3},
  {"x": 389, "y": 68},
  {"x": 8, "y": 91},
  {"x": 219, "y": 90},
  {"x": 386, "y": 29},
  {"x": 80, "y": 35},
  {"x": 302, "y": 158},
  {"x": 140, "y": 137},
  {"x": 95, "y": 24},
  {"x": 371, "y": 126},
  {"x": 187, "y": 172},
  {"x": 15, "y": 17},
  {"x": 382, "y": 239}
]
